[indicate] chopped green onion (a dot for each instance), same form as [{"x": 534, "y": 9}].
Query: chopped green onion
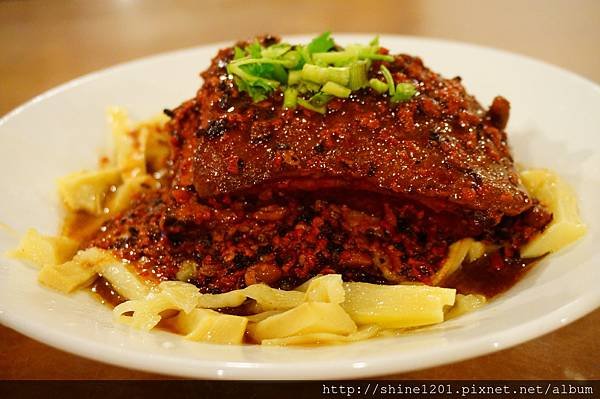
[
  {"x": 239, "y": 72},
  {"x": 256, "y": 91},
  {"x": 351, "y": 54},
  {"x": 404, "y": 92},
  {"x": 249, "y": 61},
  {"x": 235, "y": 69},
  {"x": 305, "y": 104},
  {"x": 311, "y": 75},
  {"x": 294, "y": 78},
  {"x": 336, "y": 90},
  {"x": 379, "y": 86},
  {"x": 389, "y": 79},
  {"x": 360, "y": 49},
  {"x": 321, "y": 43},
  {"x": 368, "y": 52},
  {"x": 238, "y": 53},
  {"x": 275, "y": 51},
  {"x": 323, "y": 75},
  {"x": 358, "y": 75},
  {"x": 380, "y": 57},
  {"x": 305, "y": 55},
  {"x": 290, "y": 97},
  {"x": 338, "y": 58},
  {"x": 279, "y": 73},
  {"x": 291, "y": 59},
  {"x": 319, "y": 99},
  {"x": 254, "y": 49},
  {"x": 308, "y": 87}
]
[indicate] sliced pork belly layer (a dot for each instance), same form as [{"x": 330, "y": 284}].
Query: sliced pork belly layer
[{"x": 440, "y": 149}]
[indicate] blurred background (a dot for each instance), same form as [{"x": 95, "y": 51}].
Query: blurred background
[{"x": 47, "y": 42}]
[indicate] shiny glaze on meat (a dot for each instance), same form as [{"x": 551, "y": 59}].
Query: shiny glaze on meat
[{"x": 440, "y": 148}]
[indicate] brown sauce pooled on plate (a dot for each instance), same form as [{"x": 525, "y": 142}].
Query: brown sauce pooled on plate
[
  {"x": 81, "y": 226},
  {"x": 489, "y": 275},
  {"x": 108, "y": 295}
]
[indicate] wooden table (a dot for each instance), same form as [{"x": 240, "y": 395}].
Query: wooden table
[{"x": 45, "y": 43}]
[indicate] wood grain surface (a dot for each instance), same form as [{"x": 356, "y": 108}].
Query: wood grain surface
[{"x": 45, "y": 43}]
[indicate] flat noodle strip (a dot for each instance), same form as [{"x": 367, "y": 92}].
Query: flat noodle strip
[
  {"x": 139, "y": 147},
  {"x": 307, "y": 318},
  {"x": 327, "y": 288},
  {"x": 76, "y": 273},
  {"x": 86, "y": 265},
  {"x": 41, "y": 250},
  {"x": 266, "y": 297},
  {"x": 86, "y": 191},
  {"x": 169, "y": 296},
  {"x": 126, "y": 282},
  {"x": 255, "y": 318},
  {"x": 68, "y": 276},
  {"x": 396, "y": 306},
  {"x": 456, "y": 255},
  {"x": 566, "y": 226},
  {"x": 125, "y": 193},
  {"x": 465, "y": 304},
  {"x": 210, "y": 326},
  {"x": 364, "y": 332},
  {"x": 129, "y": 144}
]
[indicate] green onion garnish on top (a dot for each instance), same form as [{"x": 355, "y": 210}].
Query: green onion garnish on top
[
  {"x": 311, "y": 75},
  {"x": 379, "y": 86},
  {"x": 404, "y": 92}
]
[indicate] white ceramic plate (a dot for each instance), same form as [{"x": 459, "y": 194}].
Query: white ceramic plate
[{"x": 555, "y": 123}]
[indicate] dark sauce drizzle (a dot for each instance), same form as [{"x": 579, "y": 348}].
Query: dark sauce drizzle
[
  {"x": 107, "y": 294},
  {"x": 489, "y": 275}
]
